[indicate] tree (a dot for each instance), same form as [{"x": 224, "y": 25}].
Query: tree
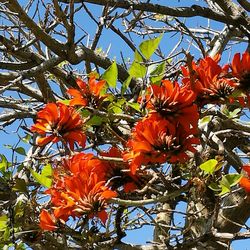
[{"x": 107, "y": 144}]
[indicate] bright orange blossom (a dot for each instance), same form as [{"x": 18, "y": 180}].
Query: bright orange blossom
[
  {"x": 208, "y": 81},
  {"x": 156, "y": 140},
  {"x": 88, "y": 92},
  {"x": 174, "y": 103},
  {"x": 58, "y": 122},
  {"x": 245, "y": 181}
]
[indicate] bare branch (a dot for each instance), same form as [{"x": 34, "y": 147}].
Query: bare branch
[
  {"x": 194, "y": 10},
  {"x": 245, "y": 4},
  {"x": 57, "y": 47}
]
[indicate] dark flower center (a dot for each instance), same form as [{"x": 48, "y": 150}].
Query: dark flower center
[
  {"x": 163, "y": 106},
  {"x": 223, "y": 90},
  {"x": 166, "y": 143},
  {"x": 245, "y": 81}
]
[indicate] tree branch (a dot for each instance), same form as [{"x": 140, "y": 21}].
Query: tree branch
[
  {"x": 57, "y": 47},
  {"x": 245, "y": 4},
  {"x": 137, "y": 203},
  {"x": 194, "y": 10}
]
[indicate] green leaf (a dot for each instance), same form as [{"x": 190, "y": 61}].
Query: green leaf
[
  {"x": 20, "y": 186},
  {"x": 3, "y": 163},
  {"x": 109, "y": 98},
  {"x": 6, "y": 235},
  {"x": 224, "y": 190},
  {"x": 234, "y": 113},
  {"x": 66, "y": 102},
  {"x": 19, "y": 209},
  {"x": 206, "y": 119},
  {"x": 237, "y": 93},
  {"x": 137, "y": 69},
  {"x": 51, "y": 77},
  {"x": 125, "y": 85},
  {"x": 148, "y": 47},
  {"x": 99, "y": 50},
  {"x": 45, "y": 178},
  {"x": 20, "y": 246},
  {"x": 158, "y": 73},
  {"x": 63, "y": 63},
  {"x": 224, "y": 182},
  {"x": 3, "y": 222},
  {"x": 232, "y": 179},
  {"x": 209, "y": 166},
  {"x": 20, "y": 151},
  {"x": 95, "y": 120},
  {"x": 215, "y": 187},
  {"x": 117, "y": 107},
  {"x": 20, "y": 167},
  {"x": 135, "y": 106},
  {"x": 26, "y": 138},
  {"x": 110, "y": 75},
  {"x": 85, "y": 113},
  {"x": 225, "y": 186}
]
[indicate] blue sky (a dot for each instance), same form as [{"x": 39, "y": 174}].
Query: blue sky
[{"x": 117, "y": 45}]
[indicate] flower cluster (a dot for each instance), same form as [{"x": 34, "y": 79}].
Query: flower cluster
[
  {"x": 215, "y": 84},
  {"x": 168, "y": 132},
  {"x": 207, "y": 80},
  {"x": 77, "y": 190},
  {"x": 83, "y": 183}
]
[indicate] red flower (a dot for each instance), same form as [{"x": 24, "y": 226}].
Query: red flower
[
  {"x": 79, "y": 195},
  {"x": 78, "y": 190},
  {"x": 174, "y": 103},
  {"x": 86, "y": 163},
  {"x": 241, "y": 71},
  {"x": 88, "y": 93},
  {"x": 246, "y": 168},
  {"x": 58, "y": 122},
  {"x": 241, "y": 67},
  {"x": 245, "y": 181},
  {"x": 156, "y": 140},
  {"x": 208, "y": 80},
  {"x": 47, "y": 221}
]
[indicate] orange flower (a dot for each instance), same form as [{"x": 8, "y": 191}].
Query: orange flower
[
  {"x": 245, "y": 181},
  {"x": 241, "y": 71},
  {"x": 78, "y": 190},
  {"x": 88, "y": 93},
  {"x": 111, "y": 172},
  {"x": 81, "y": 162},
  {"x": 47, "y": 221},
  {"x": 57, "y": 122},
  {"x": 156, "y": 140},
  {"x": 246, "y": 168},
  {"x": 208, "y": 80},
  {"x": 80, "y": 195},
  {"x": 174, "y": 103}
]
